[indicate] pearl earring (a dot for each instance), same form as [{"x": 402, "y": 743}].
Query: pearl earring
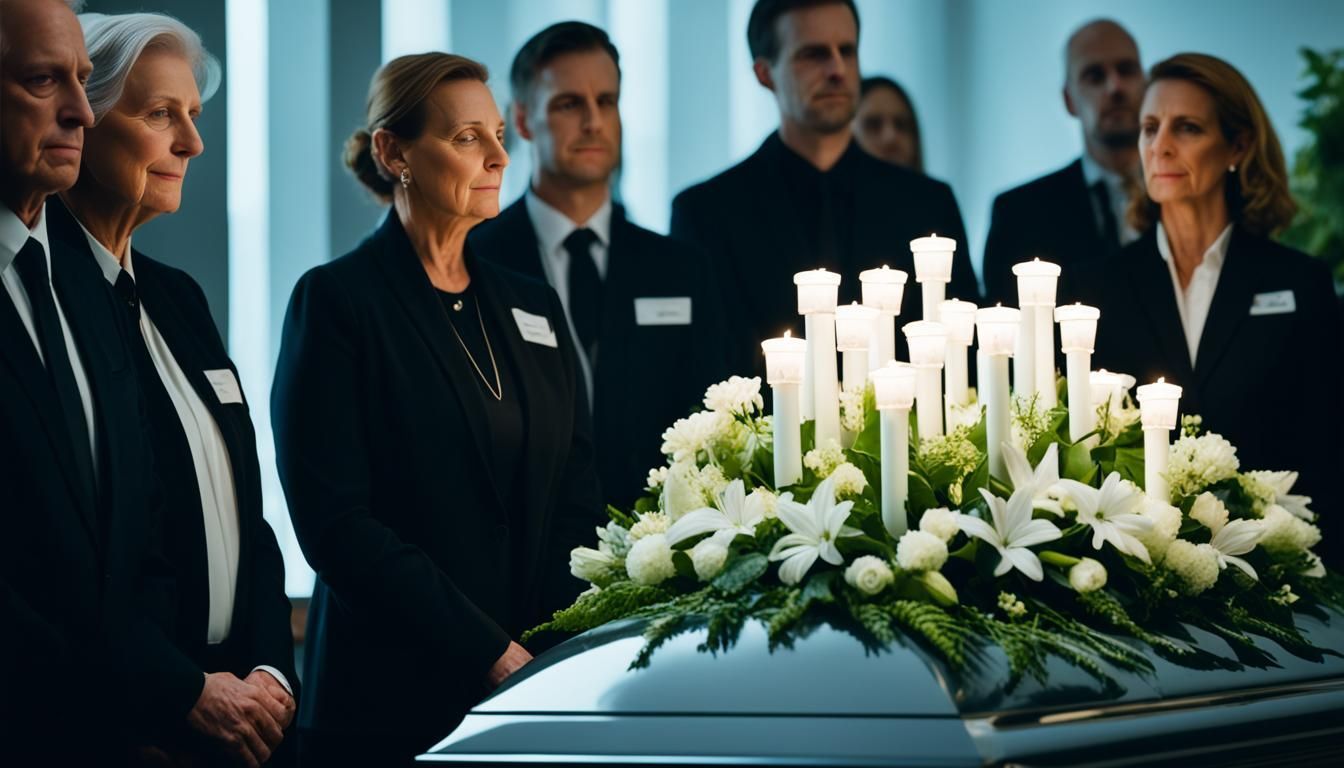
[
  {"x": 1231, "y": 169},
  {"x": 405, "y": 178}
]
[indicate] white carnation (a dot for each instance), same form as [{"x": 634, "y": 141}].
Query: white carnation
[
  {"x": 920, "y": 551},
  {"x": 650, "y": 560},
  {"x": 1208, "y": 510},
  {"x": 736, "y": 395},
  {"x": 1087, "y": 575},
  {"x": 1166, "y": 521},
  {"x": 1195, "y": 463},
  {"x": 823, "y": 460},
  {"x": 869, "y": 574},
  {"x": 708, "y": 557},
  {"x": 1196, "y": 564},
  {"x": 849, "y": 480},
  {"x": 769, "y": 501},
  {"x": 687, "y": 437},
  {"x": 941, "y": 522},
  {"x": 657, "y": 476},
  {"x": 591, "y": 565},
  {"x": 1286, "y": 534},
  {"x": 649, "y": 524}
]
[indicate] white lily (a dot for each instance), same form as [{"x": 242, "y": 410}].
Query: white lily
[
  {"x": 1043, "y": 481},
  {"x": 1113, "y": 511},
  {"x": 1282, "y": 483},
  {"x": 734, "y": 513},
  {"x": 1237, "y": 538},
  {"x": 1012, "y": 532},
  {"x": 815, "y": 528}
]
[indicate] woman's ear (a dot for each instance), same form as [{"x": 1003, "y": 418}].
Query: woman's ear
[{"x": 387, "y": 152}]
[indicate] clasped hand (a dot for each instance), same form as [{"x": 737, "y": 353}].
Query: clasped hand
[{"x": 248, "y": 717}]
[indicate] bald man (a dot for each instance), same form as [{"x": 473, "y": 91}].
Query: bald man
[{"x": 1076, "y": 214}]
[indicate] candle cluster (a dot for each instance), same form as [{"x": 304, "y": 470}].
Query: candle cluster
[{"x": 803, "y": 376}]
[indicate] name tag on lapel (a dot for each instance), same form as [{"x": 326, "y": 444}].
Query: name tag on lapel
[
  {"x": 225, "y": 385},
  {"x": 535, "y": 328},
  {"x": 1273, "y": 303},
  {"x": 671, "y": 310}
]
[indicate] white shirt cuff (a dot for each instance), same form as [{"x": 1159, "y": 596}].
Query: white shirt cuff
[{"x": 273, "y": 672}]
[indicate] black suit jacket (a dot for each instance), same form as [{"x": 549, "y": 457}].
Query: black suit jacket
[
  {"x": 1271, "y": 384},
  {"x": 259, "y": 633},
  {"x": 647, "y": 376},
  {"x": 385, "y": 455},
  {"x": 744, "y": 220},
  {"x": 1051, "y": 218},
  {"x": 83, "y": 591}
]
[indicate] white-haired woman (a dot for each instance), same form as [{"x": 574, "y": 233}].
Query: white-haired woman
[{"x": 230, "y": 620}]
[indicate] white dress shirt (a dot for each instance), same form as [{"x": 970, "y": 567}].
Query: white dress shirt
[
  {"x": 552, "y": 228},
  {"x": 1194, "y": 302},
  {"x": 209, "y": 455},
  {"x": 13, "y": 234},
  {"x": 1119, "y": 197}
]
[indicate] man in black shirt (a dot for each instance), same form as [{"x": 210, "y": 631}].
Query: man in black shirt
[{"x": 810, "y": 197}]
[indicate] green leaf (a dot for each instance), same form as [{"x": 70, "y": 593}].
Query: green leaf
[
  {"x": 681, "y": 560},
  {"x": 921, "y": 495},
  {"x": 1077, "y": 463},
  {"x": 820, "y": 587},
  {"x": 741, "y": 571}
]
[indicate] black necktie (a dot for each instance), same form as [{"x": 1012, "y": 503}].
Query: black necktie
[
  {"x": 31, "y": 264},
  {"x": 585, "y": 290},
  {"x": 1110, "y": 232}
]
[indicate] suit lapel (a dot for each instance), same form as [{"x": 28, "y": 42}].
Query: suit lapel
[
  {"x": 1151, "y": 284},
  {"x": 1078, "y": 217},
  {"x": 1231, "y": 305},
  {"x": 417, "y": 297}
]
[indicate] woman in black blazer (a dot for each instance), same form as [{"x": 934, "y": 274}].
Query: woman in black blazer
[
  {"x": 230, "y": 615},
  {"x": 430, "y": 433},
  {"x": 1249, "y": 328}
]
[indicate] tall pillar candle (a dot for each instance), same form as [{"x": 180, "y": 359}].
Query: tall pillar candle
[
  {"x": 1037, "y": 282},
  {"x": 1024, "y": 354},
  {"x": 997, "y": 329},
  {"x": 808, "y": 399},
  {"x": 785, "y": 362},
  {"x": 958, "y": 317},
  {"x": 933, "y": 270},
  {"x": 894, "y": 392},
  {"x": 1077, "y": 335},
  {"x": 1158, "y": 405},
  {"x": 853, "y": 333},
  {"x": 817, "y": 293},
  {"x": 883, "y": 289},
  {"x": 928, "y": 350}
]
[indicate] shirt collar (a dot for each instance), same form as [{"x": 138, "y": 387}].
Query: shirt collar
[
  {"x": 553, "y": 226},
  {"x": 797, "y": 167},
  {"x": 1214, "y": 256},
  {"x": 14, "y": 233}
]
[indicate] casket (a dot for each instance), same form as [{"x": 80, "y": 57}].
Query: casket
[{"x": 833, "y": 699}]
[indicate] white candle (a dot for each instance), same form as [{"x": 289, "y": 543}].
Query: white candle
[
  {"x": 1158, "y": 405},
  {"x": 854, "y": 326},
  {"x": 1077, "y": 335},
  {"x": 883, "y": 289},
  {"x": 1037, "y": 282},
  {"x": 817, "y": 294},
  {"x": 1109, "y": 389},
  {"x": 1024, "y": 354},
  {"x": 933, "y": 270},
  {"x": 809, "y": 396},
  {"x": 997, "y": 328},
  {"x": 785, "y": 361},
  {"x": 928, "y": 350},
  {"x": 894, "y": 391},
  {"x": 958, "y": 317}
]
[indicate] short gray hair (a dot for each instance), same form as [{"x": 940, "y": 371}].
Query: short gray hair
[{"x": 115, "y": 43}]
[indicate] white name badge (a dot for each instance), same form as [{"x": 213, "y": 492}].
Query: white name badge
[
  {"x": 225, "y": 385},
  {"x": 672, "y": 310},
  {"x": 535, "y": 328},
  {"x": 1273, "y": 303}
]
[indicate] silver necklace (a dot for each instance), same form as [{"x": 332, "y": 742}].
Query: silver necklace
[{"x": 498, "y": 390}]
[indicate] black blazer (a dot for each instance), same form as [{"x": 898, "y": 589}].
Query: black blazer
[
  {"x": 385, "y": 456},
  {"x": 1051, "y": 218},
  {"x": 744, "y": 220},
  {"x": 259, "y": 633},
  {"x": 1271, "y": 384},
  {"x": 647, "y": 376},
  {"x": 83, "y": 591}
]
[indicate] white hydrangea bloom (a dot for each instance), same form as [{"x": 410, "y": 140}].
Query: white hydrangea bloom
[
  {"x": 649, "y": 523},
  {"x": 768, "y": 500},
  {"x": 1195, "y": 463},
  {"x": 708, "y": 557},
  {"x": 1196, "y": 564},
  {"x": 963, "y": 416},
  {"x": 849, "y": 480},
  {"x": 1087, "y": 575},
  {"x": 869, "y": 574},
  {"x": 941, "y": 522},
  {"x": 1286, "y": 534},
  {"x": 650, "y": 560},
  {"x": 920, "y": 551},
  {"x": 1166, "y": 523},
  {"x": 687, "y": 437},
  {"x": 824, "y": 459},
  {"x": 712, "y": 481},
  {"x": 737, "y": 395},
  {"x": 590, "y": 564},
  {"x": 851, "y": 410},
  {"x": 657, "y": 476},
  {"x": 1208, "y": 510}
]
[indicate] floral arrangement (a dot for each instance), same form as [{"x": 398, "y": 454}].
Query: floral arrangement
[{"x": 1058, "y": 558}]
